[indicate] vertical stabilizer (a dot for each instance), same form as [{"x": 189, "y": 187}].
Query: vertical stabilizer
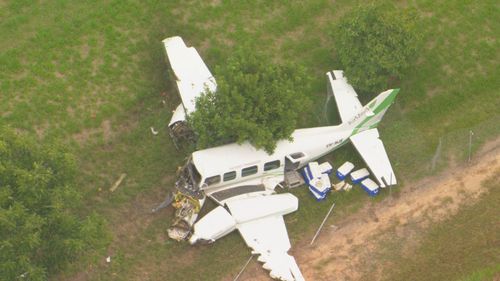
[{"x": 373, "y": 112}]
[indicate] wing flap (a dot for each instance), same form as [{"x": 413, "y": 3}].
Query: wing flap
[
  {"x": 372, "y": 150},
  {"x": 346, "y": 98},
  {"x": 268, "y": 238}
]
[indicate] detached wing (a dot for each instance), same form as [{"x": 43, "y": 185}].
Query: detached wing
[
  {"x": 372, "y": 150},
  {"x": 259, "y": 220},
  {"x": 347, "y": 100},
  {"x": 269, "y": 239},
  {"x": 193, "y": 77}
]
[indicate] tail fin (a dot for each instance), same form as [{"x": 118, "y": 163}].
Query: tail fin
[
  {"x": 365, "y": 137},
  {"x": 372, "y": 113}
]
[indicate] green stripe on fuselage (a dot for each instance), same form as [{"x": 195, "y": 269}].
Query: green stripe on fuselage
[{"x": 383, "y": 105}]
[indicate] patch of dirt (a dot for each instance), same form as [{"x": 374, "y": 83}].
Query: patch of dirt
[
  {"x": 59, "y": 75},
  {"x": 106, "y": 129},
  {"x": 215, "y": 3},
  {"x": 128, "y": 224},
  {"x": 41, "y": 129},
  {"x": 71, "y": 111},
  {"x": 84, "y": 50},
  {"x": 434, "y": 91},
  {"x": 448, "y": 70},
  {"x": 345, "y": 250},
  {"x": 88, "y": 134},
  {"x": 96, "y": 64}
]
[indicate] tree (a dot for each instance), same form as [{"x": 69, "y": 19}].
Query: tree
[
  {"x": 39, "y": 231},
  {"x": 255, "y": 101},
  {"x": 375, "y": 44}
]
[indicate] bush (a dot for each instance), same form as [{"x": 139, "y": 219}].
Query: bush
[
  {"x": 39, "y": 231},
  {"x": 375, "y": 44},
  {"x": 255, "y": 101}
]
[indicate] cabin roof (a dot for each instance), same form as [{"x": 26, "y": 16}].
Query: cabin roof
[
  {"x": 234, "y": 157},
  {"x": 226, "y": 158}
]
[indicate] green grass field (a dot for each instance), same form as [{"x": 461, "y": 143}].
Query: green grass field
[
  {"x": 462, "y": 248},
  {"x": 92, "y": 74}
]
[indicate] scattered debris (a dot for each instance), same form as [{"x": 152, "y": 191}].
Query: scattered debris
[
  {"x": 321, "y": 226},
  {"x": 316, "y": 177},
  {"x": 359, "y": 175},
  {"x": 343, "y": 185},
  {"x": 168, "y": 200},
  {"x": 108, "y": 259},
  {"x": 118, "y": 182},
  {"x": 370, "y": 186},
  {"x": 344, "y": 170},
  {"x": 293, "y": 179},
  {"x": 258, "y": 213},
  {"x": 186, "y": 212},
  {"x": 180, "y": 132},
  {"x": 243, "y": 269},
  {"x": 154, "y": 131}
]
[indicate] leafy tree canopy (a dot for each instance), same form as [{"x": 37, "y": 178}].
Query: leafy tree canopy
[
  {"x": 256, "y": 101},
  {"x": 374, "y": 44},
  {"x": 39, "y": 231}
]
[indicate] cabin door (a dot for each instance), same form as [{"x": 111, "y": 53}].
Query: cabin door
[{"x": 291, "y": 164}]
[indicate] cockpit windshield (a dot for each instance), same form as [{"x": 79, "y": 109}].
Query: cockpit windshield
[
  {"x": 194, "y": 174},
  {"x": 189, "y": 179}
]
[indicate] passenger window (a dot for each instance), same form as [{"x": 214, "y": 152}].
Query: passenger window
[
  {"x": 272, "y": 165},
  {"x": 297, "y": 155},
  {"x": 230, "y": 176},
  {"x": 249, "y": 171},
  {"x": 212, "y": 180}
]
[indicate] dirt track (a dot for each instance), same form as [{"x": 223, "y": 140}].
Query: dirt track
[{"x": 345, "y": 250}]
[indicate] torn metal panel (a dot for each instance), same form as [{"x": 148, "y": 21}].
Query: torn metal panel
[{"x": 187, "y": 209}]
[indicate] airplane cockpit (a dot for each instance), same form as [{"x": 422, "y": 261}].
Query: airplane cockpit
[{"x": 188, "y": 181}]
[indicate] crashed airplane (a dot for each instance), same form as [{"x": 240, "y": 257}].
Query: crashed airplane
[{"x": 242, "y": 179}]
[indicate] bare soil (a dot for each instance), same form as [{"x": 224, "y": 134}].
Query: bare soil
[{"x": 345, "y": 249}]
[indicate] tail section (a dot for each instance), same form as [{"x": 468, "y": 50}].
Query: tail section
[
  {"x": 362, "y": 121},
  {"x": 366, "y": 140},
  {"x": 373, "y": 112},
  {"x": 352, "y": 113}
]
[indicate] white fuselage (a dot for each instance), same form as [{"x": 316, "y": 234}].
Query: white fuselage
[
  {"x": 235, "y": 165},
  {"x": 234, "y": 159}
]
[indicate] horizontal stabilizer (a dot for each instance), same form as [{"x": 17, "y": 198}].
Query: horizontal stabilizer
[
  {"x": 372, "y": 150},
  {"x": 346, "y": 98}
]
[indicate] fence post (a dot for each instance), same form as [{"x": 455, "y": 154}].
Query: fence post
[{"x": 470, "y": 144}]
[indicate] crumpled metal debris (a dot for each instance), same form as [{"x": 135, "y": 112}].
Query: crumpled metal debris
[
  {"x": 187, "y": 209},
  {"x": 343, "y": 185},
  {"x": 181, "y": 133}
]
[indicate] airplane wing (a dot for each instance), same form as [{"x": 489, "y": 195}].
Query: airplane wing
[
  {"x": 259, "y": 219},
  {"x": 345, "y": 96},
  {"x": 372, "y": 150},
  {"x": 193, "y": 77},
  {"x": 268, "y": 238}
]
